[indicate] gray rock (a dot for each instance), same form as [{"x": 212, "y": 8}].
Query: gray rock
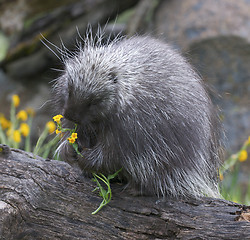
[
  {"x": 215, "y": 36},
  {"x": 185, "y": 22}
]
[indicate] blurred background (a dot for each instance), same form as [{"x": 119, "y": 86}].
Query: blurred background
[{"x": 214, "y": 35}]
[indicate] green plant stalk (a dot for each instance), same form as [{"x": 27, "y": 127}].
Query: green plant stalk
[
  {"x": 75, "y": 146},
  {"x": 56, "y": 154},
  {"x": 40, "y": 140},
  {"x": 247, "y": 197},
  {"x": 13, "y": 115},
  {"x": 231, "y": 161},
  {"x": 16, "y": 144},
  {"x": 27, "y": 146},
  {"x": 105, "y": 194},
  {"x": 232, "y": 191},
  {"x": 235, "y": 192},
  {"x": 45, "y": 150},
  {"x": 13, "y": 121},
  {"x": 60, "y": 128},
  {"x": 102, "y": 204},
  {"x": 3, "y": 139},
  {"x": 228, "y": 191}
]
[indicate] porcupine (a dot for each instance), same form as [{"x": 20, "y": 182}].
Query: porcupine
[{"x": 140, "y": 106}]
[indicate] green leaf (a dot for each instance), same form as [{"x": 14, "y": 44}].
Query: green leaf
[
  {"x": 114, "y": 175},
  {"x": 105, "y": 194}
]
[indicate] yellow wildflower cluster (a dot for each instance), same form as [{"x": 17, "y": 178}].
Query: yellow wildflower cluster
[
  {"x": 24, "y": 129},
  {"x": 72, "y": 138},
  {"x": 11, "y": 131},
  {"x": 17, "y": 136},
  {"x": 240, "y": 156},
  {"x": 58, "y": 131},
  {"x": 106, "y": 194},
  {"x": 74, "y": 135},
  {"x": 57, "y": 118},
  {"x": 5, "y": 123},
  {"x": 243, "y": 156},
  {"x": 221, "y": 176},
  {"x": 30, "y": 111},
  {"x": 14, "y": 135},
  {"x": 22, "y": 115},
  {"x": 243, "y": 153},
  {"x": 51, "y": 126},
  {"x": 16, "y": 100}
]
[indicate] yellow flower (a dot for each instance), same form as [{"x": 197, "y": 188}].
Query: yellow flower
[
  {"x": 4, "y": 122},
  {"x": 51, "y": 126},
  {"x": 235, "y": 200},
  {"x": 71, "y": 140},
  {"x": 30, "y": 111},
  {"x": 17, "y": 136},
  {"x": 243, "y": 156},
  {"x": 9, "y": 132},
  {"x": 221, "y": 176},
  {"x": 57, "y": 118},
  {"x": 22, "y": 115},
  {"x": 74, "y": 135},
  {"x": 15, "y": 100},
  {"x": 24, "y": 129},
  {"x": 58, "y": 131}
]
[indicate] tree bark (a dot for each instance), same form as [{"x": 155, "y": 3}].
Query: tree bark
[{"x": 48, "y": 199}]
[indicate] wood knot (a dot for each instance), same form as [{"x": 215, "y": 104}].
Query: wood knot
[{"x": 4, "y": 151}]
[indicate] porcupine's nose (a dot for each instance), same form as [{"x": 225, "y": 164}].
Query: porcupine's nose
[{"x": 72, "y": 115}]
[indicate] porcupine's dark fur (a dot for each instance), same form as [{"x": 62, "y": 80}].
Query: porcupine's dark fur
[{"x": 141, "y": 107}]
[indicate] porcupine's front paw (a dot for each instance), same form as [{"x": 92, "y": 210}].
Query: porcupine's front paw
[{"x": 68, "y": 154}]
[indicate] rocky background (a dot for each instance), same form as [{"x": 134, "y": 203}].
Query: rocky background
[{"x": 214, "y": 35}]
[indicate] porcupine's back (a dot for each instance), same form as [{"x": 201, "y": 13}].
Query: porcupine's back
[
  {"x": 167, "y": 128},
  {"x": 159, "y": 123}
]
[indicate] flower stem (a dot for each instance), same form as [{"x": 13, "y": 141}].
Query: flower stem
[
  {"x": 27, "y": 146},
  {"x": 3, "y": 139},
  {"x": 40, "y": 140}
]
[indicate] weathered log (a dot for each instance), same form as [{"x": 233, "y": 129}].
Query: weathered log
[{"x": 48, "y": 199}]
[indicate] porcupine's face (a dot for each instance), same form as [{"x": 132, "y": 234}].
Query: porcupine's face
[{"x": 86, "y": 92}]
